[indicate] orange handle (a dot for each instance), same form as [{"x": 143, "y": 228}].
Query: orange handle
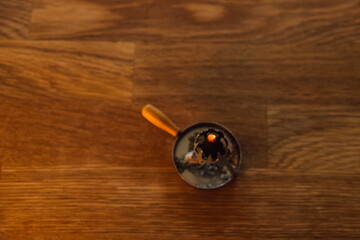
[{"x": 159, "y": 119}]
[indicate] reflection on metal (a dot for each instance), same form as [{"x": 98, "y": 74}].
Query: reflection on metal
[{"x": 207, "y": 164}]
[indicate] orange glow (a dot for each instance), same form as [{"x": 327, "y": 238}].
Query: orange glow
[{"x": 211, "y": 137}]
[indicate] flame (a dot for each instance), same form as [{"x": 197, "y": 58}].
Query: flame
[{"x": 211, "y": 137}]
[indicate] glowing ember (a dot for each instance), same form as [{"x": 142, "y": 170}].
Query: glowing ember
[{"x": 211, "y": 137}]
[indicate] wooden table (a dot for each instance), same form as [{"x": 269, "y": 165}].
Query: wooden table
[{"x": 80, "y": 162}]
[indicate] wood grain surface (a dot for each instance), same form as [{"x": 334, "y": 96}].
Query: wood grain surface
[
  {"x": 78, "y": 161},
  {"x": 314, "y": 138},
  {"x": 14, "y": 19},
  {"x": 264, "y": 21}
]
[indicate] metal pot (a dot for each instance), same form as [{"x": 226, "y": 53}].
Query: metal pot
[{"x": 206, "y": 155}]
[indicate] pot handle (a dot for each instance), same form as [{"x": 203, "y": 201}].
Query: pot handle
[{"x": 159, "y": 119}]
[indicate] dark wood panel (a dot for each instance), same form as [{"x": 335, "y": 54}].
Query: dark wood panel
[
  {"x": 62, "y": 70},
  {"x": 232, "y": 83},
  {"x": 314, "y": 138},
  {"x": 14, "y": 19},
  {"x": 99, "y": 201},
  {"x": 280, "y": 22},
  {"x": 63, "y": 102},
  {"x": 248, "y": 73}
]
